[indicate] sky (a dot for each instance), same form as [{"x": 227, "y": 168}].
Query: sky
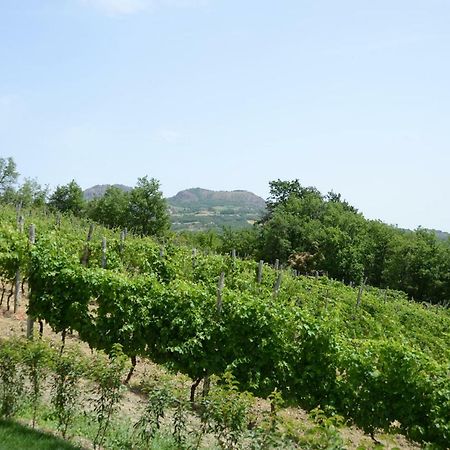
[{"x": 351, "y": 96}]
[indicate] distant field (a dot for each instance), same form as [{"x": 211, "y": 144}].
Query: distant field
[{"x": 203, "y": 221}]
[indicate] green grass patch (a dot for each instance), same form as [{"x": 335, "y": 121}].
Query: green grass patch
[{"x": 16, "y": 436}]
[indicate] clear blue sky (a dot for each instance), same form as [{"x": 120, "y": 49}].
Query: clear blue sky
[{"x": 352, "y": 96}]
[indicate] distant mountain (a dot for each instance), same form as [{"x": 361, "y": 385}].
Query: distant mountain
[
  {"x": 203, "y": 209},
  {"x": 99, "y": 190},
  {"x": 205, "y": 198},
  {"x": 443, "y": 235}
]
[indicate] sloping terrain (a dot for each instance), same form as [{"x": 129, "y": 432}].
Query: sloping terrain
[
  {"x": 203, "y": 209},
  {"x": 295, "y": 419},
  {"x": 199, "y": 209},
  {"x": 99, "y": 190}
]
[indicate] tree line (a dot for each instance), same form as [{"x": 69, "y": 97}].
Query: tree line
[
  {"x": 301, "y": 227},
  {"x": 334, "y": 238},
  {"x": 143, "y": 210}
]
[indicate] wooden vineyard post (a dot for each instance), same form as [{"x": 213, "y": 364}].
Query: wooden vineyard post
[
  {"x": 358, "y": 299},
  {"x": 277, "y": 286},
  {"x": 104, "y": 253},
  {"x": 18, "y": 211},
  {"x": 220, "y": 287},
  {"x": 277, "y": 264},
  {"x": 30, "y": 321},
  {"x": 360, "y": 292},
  {"x": 260, "y": 270},
  {"x": 233, "y": 254},
  {"x": 20, "y": 222},
  {"x": 85, "y": 258},
  {"x": 122, "y": 241},
  {"x": 17, "y": 283}
]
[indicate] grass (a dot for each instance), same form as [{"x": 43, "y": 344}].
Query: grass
[
  {"x": 83, "y": 431},
  {"x": 16, "y": 436}
]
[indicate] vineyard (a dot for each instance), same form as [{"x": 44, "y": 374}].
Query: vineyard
[{"x": 369, "y": 354}]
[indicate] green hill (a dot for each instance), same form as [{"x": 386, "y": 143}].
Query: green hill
[
  {"x": 99, "y": 190},
  {"x": 199, "y": 209},
  {"x": 203, "y": 209}
]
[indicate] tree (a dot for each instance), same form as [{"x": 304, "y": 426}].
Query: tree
[
  {"x": 147, "y": 209},
  {"x": 31, "y": 193},
  {"x": 111, "y": 209},
  {"x": 8, "y": 175},
  {"x": 244, "y": 241},
  {"x": 419, "y": 264},
  {"x": 68, "y": 198},
  {"x": 332, "y": 197},
  {"x": 282, "y": 191},
  {"x": 301, "y": 220},
  {"x": 293, "y": 226}
]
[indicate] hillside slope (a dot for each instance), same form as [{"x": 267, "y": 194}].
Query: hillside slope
[
  {"x": 198, "y": 209},
  {"x": 99, "y": 190},
  {"x": 205, "y": 198},
  {"x": 364, "y": 352},
  {"x": 203, "y": 209}
]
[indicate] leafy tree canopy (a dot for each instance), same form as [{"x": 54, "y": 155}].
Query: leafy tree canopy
[
  {"x": 31, "y": 193},
  {"x": 282, "y": 191},
  {"x": 68, "y": 199},
  {"x": 348, "y": 246},
  {"x": 8, "y": 174},
  {"x": 147, "y": 209},
  {"x": 111, "y": 209}
]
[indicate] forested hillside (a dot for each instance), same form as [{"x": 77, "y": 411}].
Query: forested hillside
[
  {"x": 202, "y": 209},
  {"x": 316, "y": 232},
  {"x": 197, "y": 209},
  {"x": 99, "y": 190}
]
